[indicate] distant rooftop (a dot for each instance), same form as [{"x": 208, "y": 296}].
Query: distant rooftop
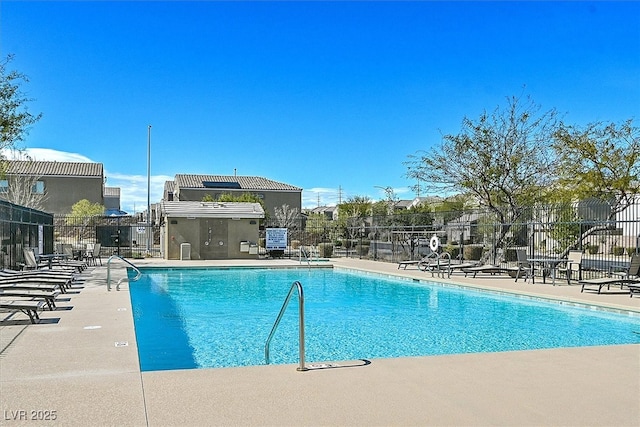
[
  {"x": 25, "y": 167},
  {"x": 112, "y": 191},
  {"x": 231, "y": 182}
]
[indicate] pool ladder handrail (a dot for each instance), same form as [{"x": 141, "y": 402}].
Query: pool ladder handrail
[
  {"x": 138, "y": 275},
  {"x": 302, "y": 253},
  {"x": 298, "y": 286}
]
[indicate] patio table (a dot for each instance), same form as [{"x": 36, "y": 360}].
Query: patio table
[
  {"x": 550, "y": 263},
  {"x": 51, "y": 257}
]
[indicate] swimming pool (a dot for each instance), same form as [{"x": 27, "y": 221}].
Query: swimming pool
[{"x": 205, "y": 318}]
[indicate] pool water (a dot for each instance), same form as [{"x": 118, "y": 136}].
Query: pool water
[{"x": 205, "y": 318}]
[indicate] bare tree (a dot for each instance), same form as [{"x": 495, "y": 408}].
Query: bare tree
[
  {"x": 23, "y": 191},
  {"x": 502, "y": 160},
  {"x": 285, "y": 216}
]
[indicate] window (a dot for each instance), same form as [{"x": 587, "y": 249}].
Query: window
[
  {"x": 4, "y": 186},
  {"x": 38, "y": 187}
]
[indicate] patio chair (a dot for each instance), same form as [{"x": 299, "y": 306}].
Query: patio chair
[
  {"x": 630, "y": 278},
  {"x": 525, "y": 268},
  {"x": 574, "y": 265},
  {"x": 30, "y": 261},
  {"x": 92, "y": 254}
]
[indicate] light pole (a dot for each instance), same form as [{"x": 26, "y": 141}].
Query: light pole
[{"x": 148, "y": 227}]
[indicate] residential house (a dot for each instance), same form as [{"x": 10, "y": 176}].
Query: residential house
[
  {"x": 272, "y": 193},
  {"x": 57, "y": 186}
]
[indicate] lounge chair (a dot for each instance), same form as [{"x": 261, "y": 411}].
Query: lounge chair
[
  {"x": 443, "y": 265},
  {"x": 574, "y": 265},
  {"x": 493, "y": 269},
  {"x": 28, "y": 307},
  {"x": 417, "y": 262},
  {"x": 31, "y": 263},
  {"x": 35, "y": 283},
  {"x": 630, "y": 278},
  {"x": 47, "y": 296},
  {"x": 70, "y": 262},
  {"x": 438, "y": 264}
]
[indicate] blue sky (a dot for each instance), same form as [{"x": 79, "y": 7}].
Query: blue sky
[{"x": 331, "y": 97}]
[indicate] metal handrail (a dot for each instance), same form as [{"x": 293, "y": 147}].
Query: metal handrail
[
  {"x": 296, "y": 285},
  {"x": 138, "y": 275},
  {"x": 303, "y": 252}
]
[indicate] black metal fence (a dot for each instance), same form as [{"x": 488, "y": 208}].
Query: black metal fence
[
  {"x": 120, "y": 235},
  {"x": 607, "y": 238},
  {"x": 22, "y": 228}
]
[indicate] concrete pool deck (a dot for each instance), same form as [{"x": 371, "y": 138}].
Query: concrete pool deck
[{"x": 80, "y": 366}]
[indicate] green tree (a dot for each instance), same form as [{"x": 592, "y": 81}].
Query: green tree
[
  {"x": 352, "y": 215},
  {"x": 85, "y": 209},
  {"x": 600, "y": 161},
  {"x": 83, "y": 214},
  {"x": 15, "y": 117},
  {"x": 242, "y": 198},
  {"x": 502, "y": 160}
]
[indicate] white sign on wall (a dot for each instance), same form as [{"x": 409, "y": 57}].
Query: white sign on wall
[{"x": 276, "y": 239}]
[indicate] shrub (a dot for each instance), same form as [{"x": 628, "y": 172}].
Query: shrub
[
  {"x": 593, "y": 249},
  {"x": 453, "y": 251},
  {"x": 617, "y": 250},
  {"x": 631, "y": 251},
  {"x": 295, "y": 244},
  {"x": 325, "y": 250},
  {"x": 473, "y": 252}
]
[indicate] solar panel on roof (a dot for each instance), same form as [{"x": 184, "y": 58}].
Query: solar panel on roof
[{"x": 220, "y": 184}]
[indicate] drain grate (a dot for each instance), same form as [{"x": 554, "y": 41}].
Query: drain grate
[
  {"x": 122, "y": 343},
  {"x": 92, "y": 327}
]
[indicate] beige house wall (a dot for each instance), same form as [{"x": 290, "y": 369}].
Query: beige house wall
[{"x": 63, "y": 192}]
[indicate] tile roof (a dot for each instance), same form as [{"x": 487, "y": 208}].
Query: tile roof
[
  {"x": 242, "y": 182},
  {"x": 112, "y": 191},
  {"x": 22, "y": 167},
  {"x": 212, "y": 210},
  {"x": 169, "y": 186}
]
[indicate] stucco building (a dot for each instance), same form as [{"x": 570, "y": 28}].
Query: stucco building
[
  {"x": 274, "y": 194},
  {"x": 210, "y": 230},
  {"x": 59, "y": 184}
]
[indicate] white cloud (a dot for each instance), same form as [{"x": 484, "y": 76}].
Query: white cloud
[{"x": 45, "y": 155}]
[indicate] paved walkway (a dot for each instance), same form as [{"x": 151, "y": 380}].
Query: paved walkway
[{"x": 80, "y": 366}]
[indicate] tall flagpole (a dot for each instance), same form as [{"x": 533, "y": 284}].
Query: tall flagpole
[{"x": 148, "y": 227}]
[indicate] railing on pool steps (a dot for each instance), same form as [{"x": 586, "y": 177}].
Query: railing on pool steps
[
  {"x": 295, "y": 286},
  {"x": 124, "y": 278}
]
